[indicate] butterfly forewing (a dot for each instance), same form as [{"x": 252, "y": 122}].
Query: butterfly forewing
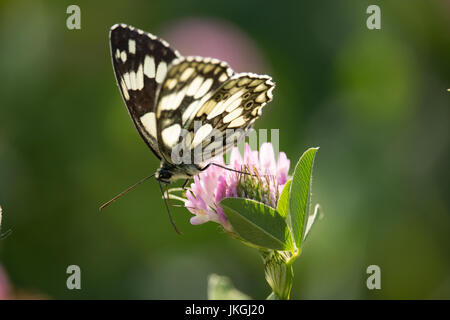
[{"x": 141, "y": 61}]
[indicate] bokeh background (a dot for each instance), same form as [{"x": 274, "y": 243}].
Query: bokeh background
[{"x": 375, "y": 101}]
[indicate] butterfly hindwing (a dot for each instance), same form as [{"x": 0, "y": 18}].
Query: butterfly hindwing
[
  {"x": 189, "y": 83},
  {"x": 141, "y": 61},
  {"x": 238, "y": 102},
  {"x": 211, "y": 120},
  {"x": 231, "y": 112}
]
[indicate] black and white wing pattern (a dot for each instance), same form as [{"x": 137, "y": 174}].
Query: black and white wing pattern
[
  {"x": 190, "y": 82},
  {"x": 174, "y": 99},
  {"x": 212, "y": 105},
  {"x": 141, "y": 61},
  {"x": 227, "y": 116}
]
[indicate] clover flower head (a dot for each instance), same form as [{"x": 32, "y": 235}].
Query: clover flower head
[{"x": 260, "y": 178}]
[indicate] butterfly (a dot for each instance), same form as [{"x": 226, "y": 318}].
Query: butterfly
[{"x": 198, "y": 107}]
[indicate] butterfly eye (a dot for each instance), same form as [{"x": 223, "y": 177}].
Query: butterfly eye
[
  {"x": 218, "y": 97},
  {"x": 226, "y": 96}
]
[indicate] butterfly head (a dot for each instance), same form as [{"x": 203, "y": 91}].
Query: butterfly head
[
  {"x": 168, "y": 172},
  {"x": 164, "y": 175}
]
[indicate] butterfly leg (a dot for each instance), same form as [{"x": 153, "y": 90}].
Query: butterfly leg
[
  {"x": 185, "y": 184},
  {"x": 167, "y": 208}
]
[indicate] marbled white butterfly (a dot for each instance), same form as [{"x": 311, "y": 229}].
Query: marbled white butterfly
[{"x": 189, "y": 101}]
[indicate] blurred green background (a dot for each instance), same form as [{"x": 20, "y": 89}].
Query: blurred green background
[{"x": 375, "y": 101}]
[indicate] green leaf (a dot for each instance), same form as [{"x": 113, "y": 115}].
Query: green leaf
[
  {"x": 257, "y": 223},
  {"x": 299, "y": 195},
  {"x": 311, "y": 220},
  {"x": 283, "y": 201},
  {"x": 221, "y": 288},
  {"x": 273, "y": 296}
]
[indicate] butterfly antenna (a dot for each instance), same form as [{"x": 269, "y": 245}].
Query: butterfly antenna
[
  {"x": 125, "y": 191},
  {"x": 229, "y": 169},
  {"x": 168, "y": 211}
]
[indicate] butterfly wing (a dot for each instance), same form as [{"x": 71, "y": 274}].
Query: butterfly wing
[
  {"x": 227, "y": 116},
  {"x": 200, "y": 100},
  {"x": 190, "y": 82},
  {"x": 141, "y": 61}
]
